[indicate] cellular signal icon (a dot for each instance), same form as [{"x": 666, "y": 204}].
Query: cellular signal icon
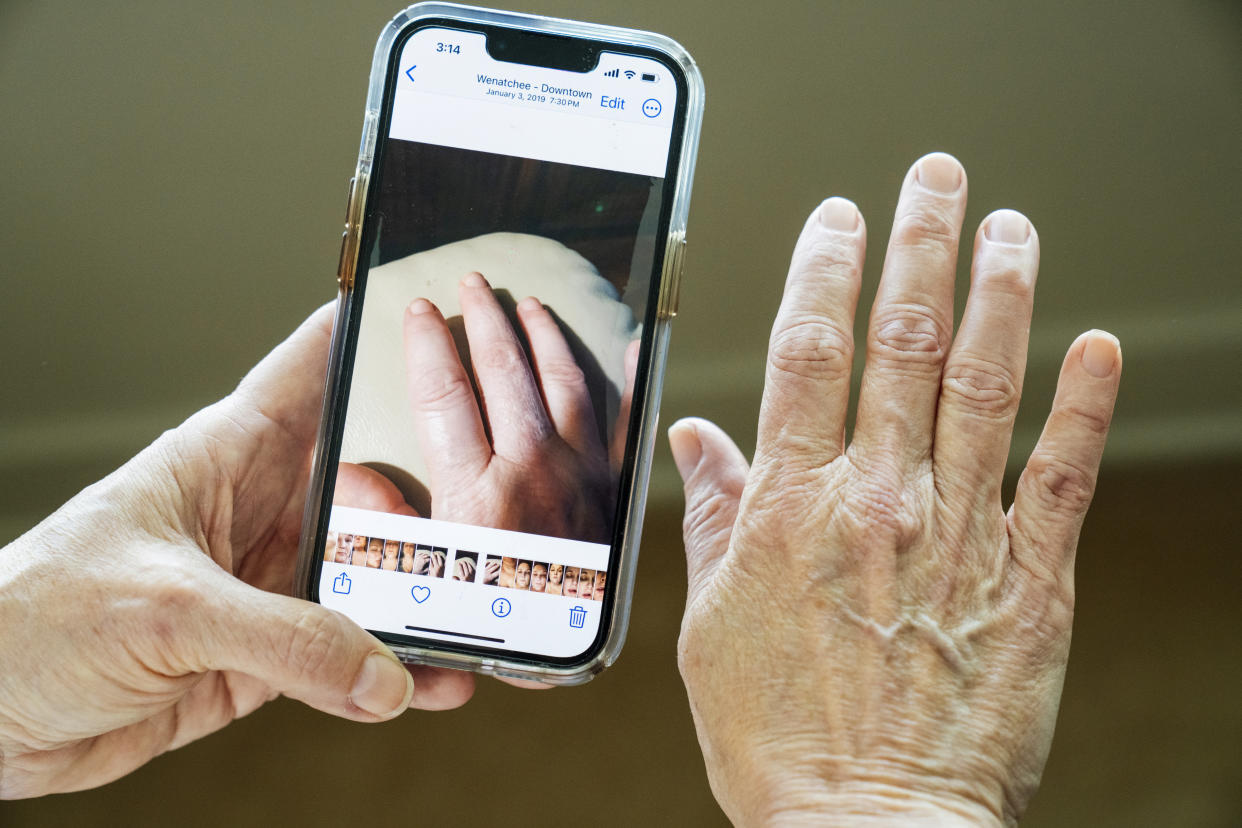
[{"x": 615, "y": 73}]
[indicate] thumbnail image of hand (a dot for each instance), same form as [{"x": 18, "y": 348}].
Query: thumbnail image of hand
[
  {"x": 868, "y": 632},
  {"x": 435, "y": 563},
  {"x": 491, "y": 572},
  {"x": 463, "y": 569},
  {"x": 545, "y": 469},
  {"x": 422, "y": 560},
  {"x": 178, "y": 596}
]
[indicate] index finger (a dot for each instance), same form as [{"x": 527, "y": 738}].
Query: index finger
[
  {"x": 446, "y": 416},
  {"x": 811, "y": 351}
]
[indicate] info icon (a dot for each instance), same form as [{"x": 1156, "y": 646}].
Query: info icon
[{"x": 577, "y": 617}]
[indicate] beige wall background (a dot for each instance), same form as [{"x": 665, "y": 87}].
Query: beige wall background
[{"x": 173, "y": 184}]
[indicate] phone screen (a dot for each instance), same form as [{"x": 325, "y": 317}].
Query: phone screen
[{"x": 505, "y": 293}]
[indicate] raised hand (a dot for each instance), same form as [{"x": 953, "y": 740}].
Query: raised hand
[{"x": 869, "y": 636}]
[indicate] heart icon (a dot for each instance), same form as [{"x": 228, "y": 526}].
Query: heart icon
[{"x": 420, "y": 593}]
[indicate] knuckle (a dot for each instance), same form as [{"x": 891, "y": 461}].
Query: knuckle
[
  {"x": 1093, "y": 421},
  {"x": 1062, "y": 487},
  {"x": 506, "y": 358},
  {"x": 1005, "y": 272},
  {"x": 909, "y": 333},
  {"x": 312, "y": 641},
  {"x": 876, "y": 510},
  {"x": 441, "y": 389},
  {"x": 708, "y": 515},
  {"x": 561, "y": 372},
  {"x": 930, "y": 226},
  {"x": 981, "y": 386},
  {"x": 173, "y": 599},
  {"x": 827, "y": 253},
  {"x": 813, "y": 348}
]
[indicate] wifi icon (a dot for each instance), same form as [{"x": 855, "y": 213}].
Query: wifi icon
[{"x": 629, "y": 74}]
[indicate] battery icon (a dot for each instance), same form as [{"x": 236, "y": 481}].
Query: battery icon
[
  {"x": 577, "y": 617},
  {"x": 650, "y": 77}
]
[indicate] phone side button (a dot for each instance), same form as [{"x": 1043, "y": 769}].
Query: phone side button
[
  {"x": 349, "y": 197},
  {"x": 674, "y": 292},
  {"x": 340, "y": 262}
]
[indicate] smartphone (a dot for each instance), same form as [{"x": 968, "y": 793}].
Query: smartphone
[{"x": 509, "y": 269}]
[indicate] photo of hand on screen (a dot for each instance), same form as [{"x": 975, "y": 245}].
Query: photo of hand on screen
[
  {"x": 545, "y": 469},
  {"x": 525, "y": 452}
]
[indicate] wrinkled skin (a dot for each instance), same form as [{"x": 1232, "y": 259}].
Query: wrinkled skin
[
  {"x": 545, "y": 469},
  {"x": 869, "y": 636},
  {"x": 152, "y": 608}
]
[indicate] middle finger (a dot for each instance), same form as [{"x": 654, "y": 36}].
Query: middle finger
[
  {"x": 912, "y": 318},
  {"x": 511, "y": 400}
]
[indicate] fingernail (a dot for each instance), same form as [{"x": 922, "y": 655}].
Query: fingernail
[
  {"x": 383, "y": 687},
  {"x": 939, "y": 173},
  {"x": 1099, "y": 355},
  {"x": 530, "y": 303},
  {"x": 839, "y": 214},
  {"x": 683, "y": 440},
  {"x": 421, "y": 306},
  {"x": 474, "y": 280},
  {"x": 1007, "y": 227}
]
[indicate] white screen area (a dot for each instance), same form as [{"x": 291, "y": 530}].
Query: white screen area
[
  {"x": 598, "y": 142},
  {"x": 595, "y": 119}
]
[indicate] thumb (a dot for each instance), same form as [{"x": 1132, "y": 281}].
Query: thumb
[
  {"x": 713, "y": 472},
  {"x": 300, "y": 649}
]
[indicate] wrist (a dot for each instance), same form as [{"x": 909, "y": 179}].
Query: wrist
[
  {"x": 793, "y": 799},
  {"x": 866, "y": 810}
]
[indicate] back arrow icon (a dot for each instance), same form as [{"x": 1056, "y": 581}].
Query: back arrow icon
[{"x": 409, "y": 73}]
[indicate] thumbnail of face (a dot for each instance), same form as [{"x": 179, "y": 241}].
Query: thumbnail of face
[
  {"x": 556, "y": 576},
  {"x": 408, "y": 553},
  {"x": 344, "y": 547},
  {"x": 392, "y": 550},
  {"x": 586, "y": 584},
  {"x": 359, "y": 556},
  {"x": 538, "y": 577},
  {"x": 521, "y": 575},
  {"x": 329, "y": 548},
  {"x": 570, "y": 589},
  {"x": 375, "y": 552},
  {"x": 600, "y": 579}
]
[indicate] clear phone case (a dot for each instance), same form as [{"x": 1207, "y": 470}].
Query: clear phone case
[{"x": 670, "y": 274}]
